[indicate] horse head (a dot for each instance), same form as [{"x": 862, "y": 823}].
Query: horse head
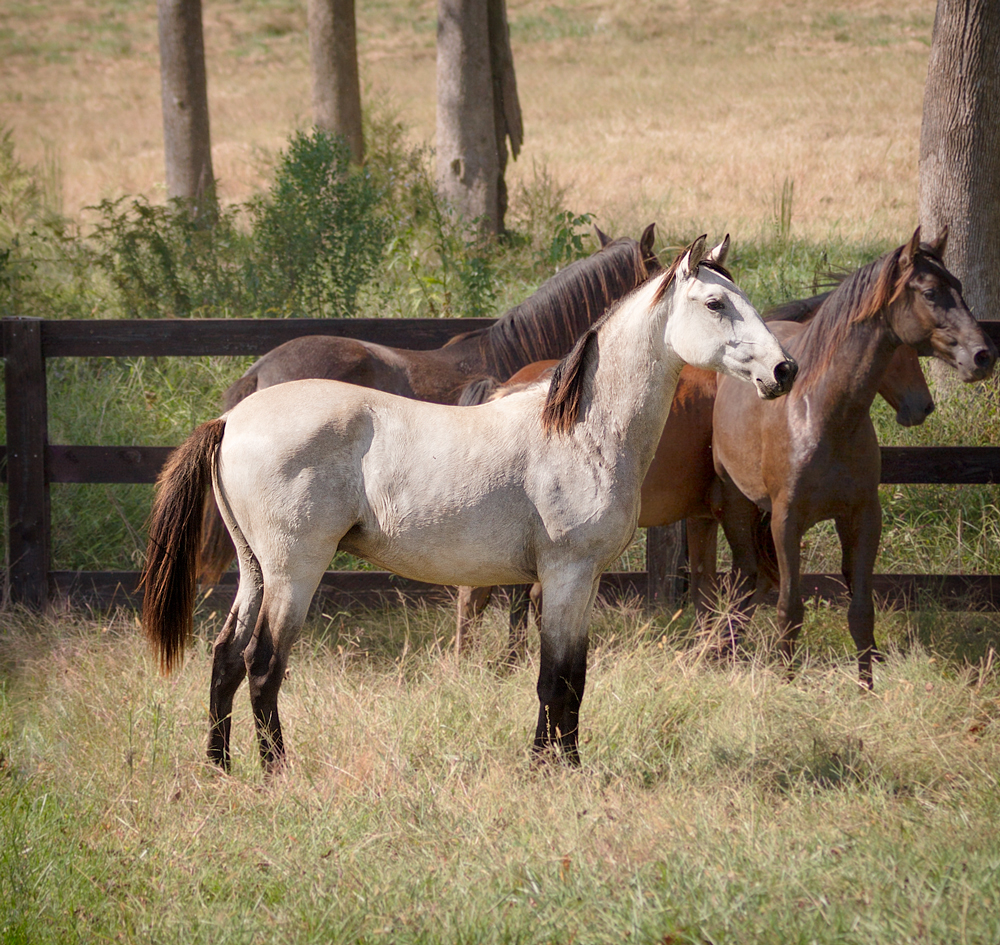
[
  {"x": 713, "y": 325},
  {"x": 931, "y": 314}
]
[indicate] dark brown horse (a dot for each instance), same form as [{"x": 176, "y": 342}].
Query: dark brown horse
[
  {"x": 815, "y": 455},
  {"x": 545, "y": 325},
  {"x": 678, "y": 483}
]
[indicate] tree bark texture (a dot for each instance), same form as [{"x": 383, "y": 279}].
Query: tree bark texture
[
  {"x": 507, "y": 121},
  {"x": 478, "y": 108},
  {"x": 186, "y": 139},
  {"x": 336, "y": 88},
  {"x": 960, "y": 146},
  {"x": 467, "y": 167}
]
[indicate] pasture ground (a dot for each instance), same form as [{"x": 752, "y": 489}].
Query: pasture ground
[{"x": 716, "y": 803}]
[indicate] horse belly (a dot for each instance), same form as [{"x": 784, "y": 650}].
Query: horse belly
[{"x": 446, "y": 549}]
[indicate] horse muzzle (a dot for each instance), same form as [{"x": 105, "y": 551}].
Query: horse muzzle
[
  {"x": 973, "y": 362},
  {"x": 780, "y": 382}
]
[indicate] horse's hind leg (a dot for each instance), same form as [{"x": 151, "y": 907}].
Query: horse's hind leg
[
  {"x": 859, "y": 541},
  {"x": 562, "y": 673},
  {"x": 286, "y": 604},
  {"x": 228, "y": 668}
]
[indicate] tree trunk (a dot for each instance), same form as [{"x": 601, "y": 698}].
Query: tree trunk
[
  {"x": 960, "y": 147},
  {"x": 186, "y": 139},
  {"x": 467, "y": 166},
  {"x": 506, "y": 104},
  {"x": 336, "y": 89}
]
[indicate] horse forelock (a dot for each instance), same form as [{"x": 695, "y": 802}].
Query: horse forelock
[{"x": 547, "y": 323}]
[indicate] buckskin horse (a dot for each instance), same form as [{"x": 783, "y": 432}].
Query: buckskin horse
[{"x": 303, "y": 469}]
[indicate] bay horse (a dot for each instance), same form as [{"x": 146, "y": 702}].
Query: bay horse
[
  {"x": 553, "y": 477},
  {"x": 545, "y": 325},
  {"x": 815, "y": 456},
  {"x": 678, "y": 484}
]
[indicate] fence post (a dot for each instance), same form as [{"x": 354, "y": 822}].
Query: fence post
[
  {"x": 666, "y": 554},
  {"x": 27, "y": 482}
]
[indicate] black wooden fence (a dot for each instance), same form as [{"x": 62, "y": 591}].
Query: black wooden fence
[{"x": 31, "y": 463}]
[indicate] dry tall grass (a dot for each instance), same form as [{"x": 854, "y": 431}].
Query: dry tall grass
[
  {"x": 716, "y": 803},
  {"x": 692, "y": 114}
]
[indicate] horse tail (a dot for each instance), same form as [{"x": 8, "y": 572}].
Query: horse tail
[
  {"x": 764, "y": 549},
  {"x": 169, "y": 576},
  {"x": 478, "y": 391},
  {"x": 217, "y": 551}
]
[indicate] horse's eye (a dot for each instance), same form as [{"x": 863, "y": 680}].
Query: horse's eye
[
  {"x": 929, "y": 294},
  {"x": 715, "y": 305}
]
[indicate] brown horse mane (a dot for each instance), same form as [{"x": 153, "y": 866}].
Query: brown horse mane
[
  {"x": 545, "y": 324},
  {"x": 562, "y": 405},
  {"x": 863, "y": 297}
]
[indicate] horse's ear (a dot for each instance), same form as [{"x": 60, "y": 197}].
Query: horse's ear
[
  {"x": 646, "y": 241},
  {"x": 692, "y": 257},
  {"x": 912, "y": 248},
  {"x": 603, "y": 237},
  {"x": 719, "y": 253},
  {"x": 937, "y": 247}
]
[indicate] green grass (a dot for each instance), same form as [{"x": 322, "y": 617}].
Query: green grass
[{"x": 715, "y": 803}]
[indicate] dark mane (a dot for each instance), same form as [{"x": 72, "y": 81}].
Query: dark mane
[
  {"x": 546, "y": 324},
  {"x": 798, "y": 311},
  {"x": 562, "y": 404},
  {"x": 863, "y": 296}
]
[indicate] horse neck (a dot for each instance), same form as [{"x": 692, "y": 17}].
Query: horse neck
[
  {"x": 843, "y": 391},
  {"x": 631, "y": 382}
]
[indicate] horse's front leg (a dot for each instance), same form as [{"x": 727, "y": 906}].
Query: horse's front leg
[
  {"x": 520, "y": 606},
  {"x": 740, "y": 521},
  {"x": 859, "y": 542},
  {"x": 702, "y": 541},
  {"x": 562, "y": 673},
  {"x": 787, "y": 534}
]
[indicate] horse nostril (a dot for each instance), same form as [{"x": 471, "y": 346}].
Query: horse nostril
[
  {"x": 929, "y": 409},
  {"x": 983, "y": 359},
  {"x": 785, "y": 371}
]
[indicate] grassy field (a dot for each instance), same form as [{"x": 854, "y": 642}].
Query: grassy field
[{"x": 716, "y": 803}]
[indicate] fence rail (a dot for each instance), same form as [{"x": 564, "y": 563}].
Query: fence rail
[{"x": 29, "y": 463}]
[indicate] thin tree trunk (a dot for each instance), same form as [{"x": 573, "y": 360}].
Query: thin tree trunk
[
  {"x": 186, "y": 139},
  {"x": 467, "y": 167},
  {"x": 960, "y": 146},
  {"x": 506, "y": 104},
  {"x": 336, "y": 89}
]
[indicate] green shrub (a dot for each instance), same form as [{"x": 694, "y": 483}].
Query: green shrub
[{"x": 303, "y": 249}]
